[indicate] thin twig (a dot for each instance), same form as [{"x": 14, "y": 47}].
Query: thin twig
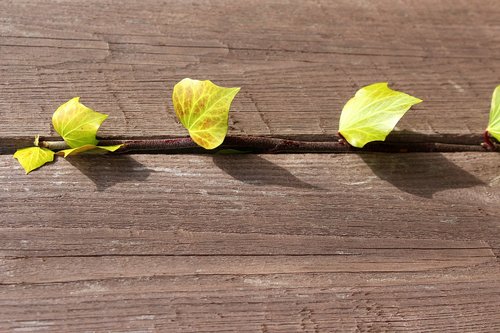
[{"x": 257, "y": 144}]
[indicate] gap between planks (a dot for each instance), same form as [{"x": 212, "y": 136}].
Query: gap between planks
[{"x": 470, "y": 142}]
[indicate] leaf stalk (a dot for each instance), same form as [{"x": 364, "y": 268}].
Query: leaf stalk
[{"x": 488, "y": 144}]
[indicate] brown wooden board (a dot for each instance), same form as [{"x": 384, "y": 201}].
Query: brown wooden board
[
  {"x": 269, "y": 243},
  {"x": 297, "y": 62},
  {"x": 250, "y": 243}
]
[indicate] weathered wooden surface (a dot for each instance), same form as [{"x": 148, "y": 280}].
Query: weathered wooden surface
[
  {"x": 274, "y": 243},
  {"x": 249, "y": 243},
  {"x": 297, "y": 62}
]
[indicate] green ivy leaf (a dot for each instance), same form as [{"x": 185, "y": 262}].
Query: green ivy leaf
[
  {"x": 77, "y": 124},
  {"x": 494, "y": 122},
  {"x": 89, "y": 149},
  {"x": 203, "y": 108},
  {"x": 33, "y": 157},
  {"x": 372, "y": 113}
]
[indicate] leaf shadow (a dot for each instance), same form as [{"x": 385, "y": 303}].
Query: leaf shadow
[
  {"x": 255, "y": 170},
  {"x": 420, "y": 174},
  {"x": 108, "y": 170}
]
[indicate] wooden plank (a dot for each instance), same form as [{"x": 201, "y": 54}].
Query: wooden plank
[
  {"x": 379, "y": 195},
  {"x": 269, "y": 243},
  {"x": 64, "y": 269},
  {"x": 445, "y": 301},
  {"x": 297, "y": 63},
  {"x": 84, "y": 242}
]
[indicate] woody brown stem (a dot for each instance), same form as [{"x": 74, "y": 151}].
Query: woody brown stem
[{"x": 257, "y": 144}]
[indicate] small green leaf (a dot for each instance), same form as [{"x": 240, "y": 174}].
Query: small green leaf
[
  {"x": 33, "y": 157},
  {"x": 372, "y": 113},
  {"x": 77, "y": 124},
  {"x": 494, "y": 123},
  {"x": 89, "y": 149},
  {"x": 203, "y": 108}
]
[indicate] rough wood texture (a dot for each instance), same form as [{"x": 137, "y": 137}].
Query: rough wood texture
[
  {"x": 274, "y": 243},
  {"x": 297, "y": 62},
  {"x": 249, "y": 243}
]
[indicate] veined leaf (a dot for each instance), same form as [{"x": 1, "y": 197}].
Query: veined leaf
[
  {"x": 203, "y": 108},
  {"x": 372, "y": 113},
  {"x": 89, "y": 149},
  {"x": 77, "y": 124},
  {"x": 33, "y": 157},
  {"x": 494, "y": 122}
]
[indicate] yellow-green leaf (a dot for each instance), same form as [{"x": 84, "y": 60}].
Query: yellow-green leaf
[
  {"x": 494, "y": 123},
  {"x": 33, "y": 157},
  {"x": 77, "y": 124},
  {"x": 203, "y": 108},
  {"x": 89, "y": 149},
  {"x": 372, "y": 113}
]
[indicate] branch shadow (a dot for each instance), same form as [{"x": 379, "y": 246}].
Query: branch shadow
[
  {"x": 255, "y": 170},
  {"x": 108, "y": 170},
  {"x": 420, "y": 174}
]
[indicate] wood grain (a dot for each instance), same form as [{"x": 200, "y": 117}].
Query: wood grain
[
  {"x": 247, "y": 191},
  {"x": 297, "y": 62},
  {"x": 249, "y": 243},
  {"x": 270, "y": 243}
]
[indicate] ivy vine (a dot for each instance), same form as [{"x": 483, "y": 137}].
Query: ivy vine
[{"x": 203, "y": 109}]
